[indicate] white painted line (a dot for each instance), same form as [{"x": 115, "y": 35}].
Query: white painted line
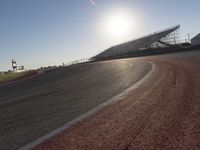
[{"x": 85, "y": 115}]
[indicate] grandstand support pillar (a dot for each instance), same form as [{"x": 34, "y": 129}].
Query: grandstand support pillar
[{"x": 189, "y": 38}]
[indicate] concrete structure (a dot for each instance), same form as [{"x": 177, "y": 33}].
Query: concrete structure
[
  {"x": 14, "y": 65},
  {"x": 195, "y": 40},
  {"x": 164, "y": 38},
  {"x": 17, "y": 68}
]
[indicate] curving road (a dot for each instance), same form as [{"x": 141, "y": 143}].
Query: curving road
[
  {"x": 163, "y": 113},
  {"x": 34, "y": 107}
]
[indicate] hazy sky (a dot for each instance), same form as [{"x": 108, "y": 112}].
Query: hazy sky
[{"x": 48, "y": 32}]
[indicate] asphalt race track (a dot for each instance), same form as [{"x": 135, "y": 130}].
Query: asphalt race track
[
  {"x": 161, "y": 114},
  {"x": 34, "y": 107}
]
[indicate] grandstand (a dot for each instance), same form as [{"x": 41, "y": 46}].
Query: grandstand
[{"x": 164, "y": 38}]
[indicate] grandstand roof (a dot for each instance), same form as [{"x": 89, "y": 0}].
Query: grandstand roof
[{"x": 137, "y": 44}]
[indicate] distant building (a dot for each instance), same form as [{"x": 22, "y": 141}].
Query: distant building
[
  {"x": 14, "y": 65},
  {"x": 195, "y": 40},
  {"x": 17, "y": 68}
]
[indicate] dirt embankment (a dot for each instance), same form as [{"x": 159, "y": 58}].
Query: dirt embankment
[{"x": 14, "y": 77}]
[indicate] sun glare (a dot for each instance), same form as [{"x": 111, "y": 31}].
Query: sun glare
[{"x": 119, "y": 25}]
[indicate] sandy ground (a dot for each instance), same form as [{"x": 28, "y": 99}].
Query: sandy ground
[{"x": 163, "y": 113}]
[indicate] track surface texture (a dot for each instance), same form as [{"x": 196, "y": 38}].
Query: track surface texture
[
  {"x": 34, "y": 107},
  {"x": 163, "y": 113}
]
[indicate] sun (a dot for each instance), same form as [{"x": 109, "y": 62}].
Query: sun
[{"x": 118, "y": 24}]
